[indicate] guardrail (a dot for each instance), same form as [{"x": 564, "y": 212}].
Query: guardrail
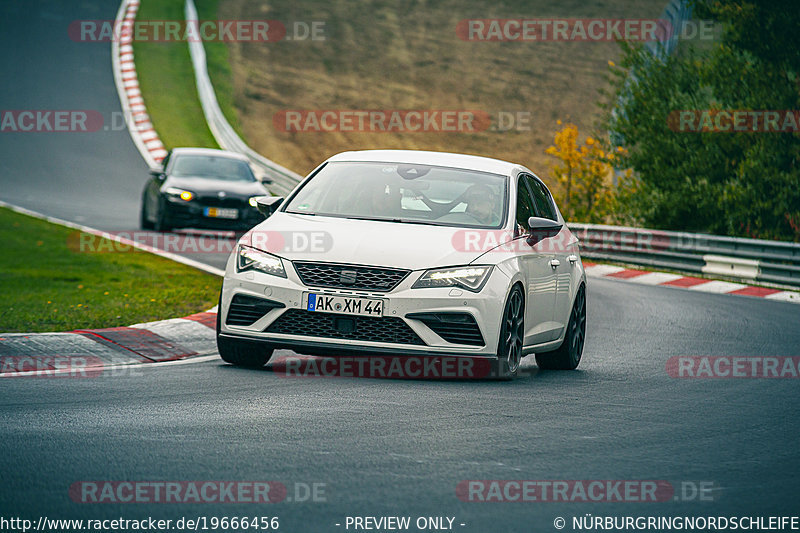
[
  {"x": 283, "y": 179},
  {"x": 751, "y": 260}
]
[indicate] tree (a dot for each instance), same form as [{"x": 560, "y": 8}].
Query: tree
[
  {"x": 735, "y": 183},
  {"x": 584, "y": 174}
]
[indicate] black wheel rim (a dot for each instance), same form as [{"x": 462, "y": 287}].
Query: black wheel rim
[
  {"x": 513, "y": 325},
  {"x": 577, "y": 325}
]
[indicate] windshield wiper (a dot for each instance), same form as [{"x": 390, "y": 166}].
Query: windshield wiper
[{"x": 395, "y": 220}]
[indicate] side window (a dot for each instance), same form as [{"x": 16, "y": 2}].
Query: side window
[
  {"x": 542, "y": 199},
  {"x": 525, "y": 208}
]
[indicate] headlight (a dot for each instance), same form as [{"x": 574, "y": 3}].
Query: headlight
[
  {"x": 471, "y": 278},
  {"x": 252, "y": 200},
  {"x": 174, "y": 192},
  {"x": 251, "y": 259}
]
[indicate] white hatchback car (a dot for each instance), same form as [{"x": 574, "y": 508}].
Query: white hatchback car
[{"x": 408, "y": 253}]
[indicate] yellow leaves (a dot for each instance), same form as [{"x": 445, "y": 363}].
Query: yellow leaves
[
  {"x": 584, "y": 174},
  {"x": 611, "y": 63}
]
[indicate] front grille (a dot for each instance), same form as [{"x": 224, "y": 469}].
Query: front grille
[
  {"x": 215, "y": 201},
  {"x": 335, "y": 326},
  {"x": 245, "y": 310},
  {"x": 458, "y": 328},
  {"x": 349, "y": 277}
]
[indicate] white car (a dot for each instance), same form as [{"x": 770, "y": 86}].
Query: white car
[{"x": 408, "y": 253}]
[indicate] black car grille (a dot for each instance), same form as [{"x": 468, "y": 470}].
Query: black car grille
[
  {"x": 335, "y": 326},
  {"x": 339, "y": 276},
  {"x": 216, "y": 201},
  {"x": 245, "y": 310},
  {"x": 458, "y": 328}
]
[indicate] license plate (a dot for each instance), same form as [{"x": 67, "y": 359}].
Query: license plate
[
  {"x": 345, "y": 305},
  {"x": 220, "y": 212}
]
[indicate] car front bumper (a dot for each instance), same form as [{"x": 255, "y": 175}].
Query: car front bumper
[
  {"x": 181, "y": 214},
  {"x": 319, "y": 337}
]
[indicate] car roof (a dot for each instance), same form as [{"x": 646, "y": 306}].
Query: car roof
[
  {"x": 209, "y": 152},
  {"x": 422, "y": 157}
]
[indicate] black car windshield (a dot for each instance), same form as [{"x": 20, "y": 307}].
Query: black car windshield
[
  {"x": 408, "y": 193},
  {"x": 209, "y": 166}
]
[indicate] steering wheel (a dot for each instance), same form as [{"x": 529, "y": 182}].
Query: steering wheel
[{"x": 473, "y": 217}]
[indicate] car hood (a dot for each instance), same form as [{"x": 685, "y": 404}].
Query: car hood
[
  {"x": 203, "y": 186},
  {"x": 362, "y": 242}
]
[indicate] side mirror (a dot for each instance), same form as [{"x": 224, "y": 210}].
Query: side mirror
[
  {"x": 542, "y": 228},
  {"x": 158, "y": 173},
  {"x": 268, "y": 204},
  {"x": 263, "y": 178}
]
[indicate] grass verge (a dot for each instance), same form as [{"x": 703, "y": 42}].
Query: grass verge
[
  {"x": 166, "y": 79},
  {"x": 49, "y": 285}
]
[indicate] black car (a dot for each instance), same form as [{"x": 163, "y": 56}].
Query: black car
[{"x": 202, "y": 188}]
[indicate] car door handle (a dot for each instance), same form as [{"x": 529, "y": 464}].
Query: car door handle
[
  {"x": 573, "y": 258},
  {"x": 555, "y": 263}
]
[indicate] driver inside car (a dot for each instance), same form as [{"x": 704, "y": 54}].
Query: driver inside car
[{"x": 482, "y": 205}]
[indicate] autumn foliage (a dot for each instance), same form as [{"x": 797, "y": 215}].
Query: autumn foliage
[{"x": 588, "y": 184}]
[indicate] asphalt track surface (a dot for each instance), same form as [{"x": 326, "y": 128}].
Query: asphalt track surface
[{"x": 381, "y": 447}]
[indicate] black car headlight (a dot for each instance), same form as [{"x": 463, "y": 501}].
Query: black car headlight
[
  {"x": 472, "y": 278},
  {"x": 248, "y": 258}
]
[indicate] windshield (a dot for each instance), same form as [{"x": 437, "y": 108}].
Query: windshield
[
  {"x": 405, "y": 193},
  {"x": 208, "y": 166}
]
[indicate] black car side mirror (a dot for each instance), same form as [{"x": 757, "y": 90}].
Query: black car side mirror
[
  {"x": 263, "y": 178},
  {"x": 268, "y": 204},
  {"x": 542, "y": 228},
  {"x": 157, "y": 173}
]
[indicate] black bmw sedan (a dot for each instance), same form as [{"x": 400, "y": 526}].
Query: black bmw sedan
[{"x": 201, "y": 188}]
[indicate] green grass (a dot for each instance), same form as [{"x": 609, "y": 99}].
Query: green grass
[
  {"x": 48, "y": 284},
  {"x": 166, "y": 79}
]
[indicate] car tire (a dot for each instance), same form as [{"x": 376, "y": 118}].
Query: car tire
[
  {"x": 161, "y": 224},
  {"x": 238, "y": 352},
  {"x": 144, "y": 223},
  {"x": 512, "y": 331},
  {"x": 568, "y": 355}
]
